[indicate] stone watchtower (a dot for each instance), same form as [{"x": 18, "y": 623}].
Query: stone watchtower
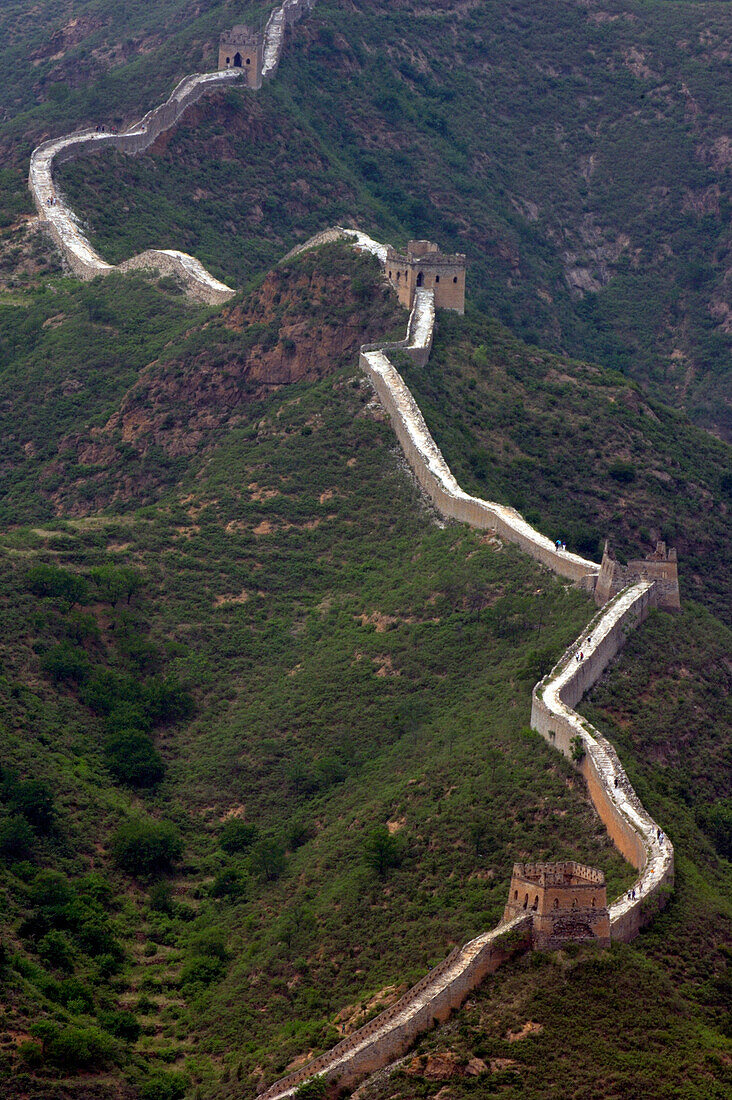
[
  {"x": 423, "y": 265},
  {"x": 241, "y": 48},
  {"x": 568, "y": 903},
  {"x": 661, "y": 567}
]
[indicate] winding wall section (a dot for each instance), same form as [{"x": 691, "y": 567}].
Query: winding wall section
[
  {"x": 62, "y": 223},
  {"x": 629, "y": 825}
]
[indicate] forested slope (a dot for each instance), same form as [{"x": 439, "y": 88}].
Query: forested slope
[
  {"x": 265, "y": 737},
  {"x": 577, "y": 155}
]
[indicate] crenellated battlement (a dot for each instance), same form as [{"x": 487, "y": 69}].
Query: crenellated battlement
[
  {"x": 660, "y": 566},
  {"x": 423, "y": 266},
  {"x": 242, "y": 48}
]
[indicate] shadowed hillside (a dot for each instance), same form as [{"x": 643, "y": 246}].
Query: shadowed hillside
[{"x": 576, "y": 155}]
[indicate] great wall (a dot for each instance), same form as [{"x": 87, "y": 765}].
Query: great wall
[{"x": 625, "y": 595}]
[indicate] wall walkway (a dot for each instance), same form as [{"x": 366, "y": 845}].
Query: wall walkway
[
  {"x": 431, "y": 1000},
  {"x": 64, "y": 226},
  {"x": 631, "y": 828},
  {"x": 629, "y": 825}
]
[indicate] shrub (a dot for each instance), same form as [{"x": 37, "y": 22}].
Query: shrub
[
  {"x": 76, "y": 1048},
  {"x": 166, "y": 700},
  {"x": 313, "y": 1089},
  {"x": 133, "y": 760},
  {"x": 578, "y": 749},
  {"x": 623, "y": 472},
  {"x": 55, "y": 950},
  {"x": 200, "y": 970},
  {"x": 161, "y": 898},
  {"x": 381, "y": 851},
  {"x": 121, "y": 1024},
  {"x": 50, "y": 889},
  {"x": 16, "y": 839},
  {"x": 66, "y": 662},
  {"x": 30, "y": 1054},
  {"x": 34, "y": 800},
  {"x": 145, "y": 847},
  {"x": 237, "y": 835},
  {"x": 49, "y": 580},
  {"x": 229, "y": 883},
  {"x": 164, "y": 1086}
]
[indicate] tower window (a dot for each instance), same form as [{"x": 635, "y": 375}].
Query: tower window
[
  {"x": 556, "y": 903},
  {"x": 526, "y": 901},
  {"x": 249, "y": 61},
  {"x": 437, "y": 278},
  {"x": 515, "y": 895},
  {"x": 454, "y": 278}
]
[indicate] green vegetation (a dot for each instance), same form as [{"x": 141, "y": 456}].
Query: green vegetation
[
  {"x": 578, "y": 160},
  {"x": 274, "y": 703},
  {"x": 654, "y": 1019},
  {"x": 264, "y": 724},
  {"x": 542, "y": 433}
]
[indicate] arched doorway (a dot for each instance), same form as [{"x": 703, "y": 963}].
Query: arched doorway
[
  {"x": 237, "y": 60},
  {"x": 420, "y": 279}
]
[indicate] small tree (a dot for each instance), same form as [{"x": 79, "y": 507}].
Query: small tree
[
  {"x": 381, "y": 851},
  {"x": 133, "y": 760},
  {"x": 268, "y": 859},
  {"x": 144, "y": 847}
]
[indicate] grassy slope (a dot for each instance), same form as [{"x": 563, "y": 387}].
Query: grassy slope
[
  {"x": 583, "y": 452},
  {"x": 552, "y": 145},
  {"x": 654, "y": 1016},
  {"x": 295, "y": 719},
  {"x": 351, "y": 664}
]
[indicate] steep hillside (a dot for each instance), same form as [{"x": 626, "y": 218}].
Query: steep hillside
[
  {"x": 108, "y": 392},
  {"x": 270, "y": 729},
  {"x": 335, "y": 688},
  {"x": 580, "y": 450},
  {"x": 654, "y": 1019},
  {"x": 576, "y": 155}
]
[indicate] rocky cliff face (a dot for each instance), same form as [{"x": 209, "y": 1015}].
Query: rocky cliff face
[{"x": 305, "y": 321}]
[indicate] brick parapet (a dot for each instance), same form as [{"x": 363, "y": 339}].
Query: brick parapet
[
  {"x": 630, "y": 826},
  {"x": 433, "y": 998},
  {"x": 436, "y": 478}
]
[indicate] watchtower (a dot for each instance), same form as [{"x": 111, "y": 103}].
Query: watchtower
[
  {"x": 661, "y": 567},
  {"x": 241, "y": 48},
  {"x": 423, "y": 265},
  {"x": 568, "y": 903}
]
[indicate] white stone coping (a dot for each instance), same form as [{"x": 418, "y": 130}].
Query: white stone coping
[
  {"x": 422, "y": 319},
  {"x": 414, "y": 424},
  {"x": 413, "y": 1001},
  {"x": 659, "y": 853}
]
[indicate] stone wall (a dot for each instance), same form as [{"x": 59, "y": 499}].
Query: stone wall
[
  {"x": 430, "y": 1001},
  {"x": 628, "y": 823},
  {"x": 63, "y": 224},
  {"x": 436, "y": 478}
]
